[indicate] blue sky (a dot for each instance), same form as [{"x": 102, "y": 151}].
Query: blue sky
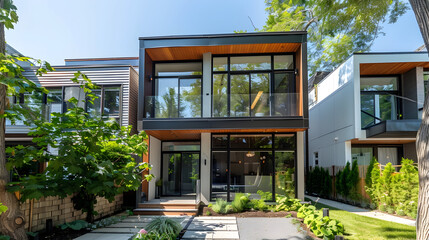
[{"x": 56, "y": 29}]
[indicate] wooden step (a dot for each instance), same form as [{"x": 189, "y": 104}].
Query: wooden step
[
  {"x": 168, "y": 206},
  {"x": 162, "y": 211}
]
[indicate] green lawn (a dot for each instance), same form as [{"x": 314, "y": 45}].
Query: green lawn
[{"x": 361, "y": 227}]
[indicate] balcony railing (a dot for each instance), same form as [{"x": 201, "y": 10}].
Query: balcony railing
[{"x": 225, "y": 105}]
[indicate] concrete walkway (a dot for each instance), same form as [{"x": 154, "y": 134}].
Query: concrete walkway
[
  {"x": 269, "y": 228},
  {"x": 126, "y": 228},
  {"x": 364, "y": 212},
  {"x": 212, "y": 228}
]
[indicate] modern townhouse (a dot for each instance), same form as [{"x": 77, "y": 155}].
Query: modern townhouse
[
  {"x": 225, "y": 114},
  {"x": 369, "y": 106}
]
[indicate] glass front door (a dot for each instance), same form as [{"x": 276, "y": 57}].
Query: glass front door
[{"x": 180, "y": 171}]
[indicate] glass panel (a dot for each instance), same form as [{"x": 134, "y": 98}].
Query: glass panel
[
  {"x": 219, "y": 141},
  {"x": 171, "y": 174},
  {"x": 387, "y": 107},
  {"x": 367, "y": 106},
  {"x": 362, "y": 155},
  {"x": 220, "y": 64},
  {"x": 220, "y": 95},
  {"x": 283, "y": 62},
  {"x": 285, "y": 101},
  {"x": 166, "y": 90},
  {"x": 379, "y": 83},
  {"x": 190, "y": 173},
  {"x": 251, "y": 173},
  {"x": 190, "y": 98},
  {"x": 55, "y": 96},
  {"x": 284, "y": 141},
  {"x": 251, "y": 141},
  {"x": 240, "y": 98},
  {"x": 112, "y": 101},
  {"x": 94, "y": 109},
  {"x": 178, "y": 69},
  {"x": 425, "y": 82},
  {"x": 250, "y": 63},
  {"x": 180, "y": 146},
  {"x": 387, "y": 155},
  {"x": 260, "y": 94},
  {"x": 285, "y": 173},
  {"x": 33, "y": 98},
  {"x": 219, "y": 175},
  {"x": 76, "y": 92}
]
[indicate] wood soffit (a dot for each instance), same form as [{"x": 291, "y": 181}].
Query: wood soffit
[
  {"x": 192, "y": 53},
  {"x": 196, "y": 134},
  {"x": 389, "y": 68}
]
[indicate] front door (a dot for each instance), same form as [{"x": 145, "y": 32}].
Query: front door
[{"x": 180, "y": 171}]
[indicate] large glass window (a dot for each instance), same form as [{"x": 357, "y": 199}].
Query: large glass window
[
  {"x": 379, "y": 100},
  {"x": 362, "y": 155},
  {"x": 426, "y": 81},
  {"x": 177, "y": 90},
  {"x": 254, "y": 86},
  {"x": 253, "y": 163}
]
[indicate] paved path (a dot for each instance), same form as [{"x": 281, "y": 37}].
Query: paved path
[
  {"x": 126, "y": 228},
  {"x": 364, "y": 212},
  {"x": 212, "y": 228},
  {"x": 269, "y": 228}
]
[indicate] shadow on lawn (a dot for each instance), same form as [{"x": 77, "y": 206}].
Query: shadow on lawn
[{"x": 398, "y": 233}]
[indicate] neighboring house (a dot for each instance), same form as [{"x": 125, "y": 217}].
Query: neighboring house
[
  {"x": 118, "y": 95},
  {"x": 369, "y": 106},
  {"x": 225, "y": 114}
]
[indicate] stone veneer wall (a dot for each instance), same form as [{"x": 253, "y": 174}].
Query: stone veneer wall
[{"x": 61, "y": 211}]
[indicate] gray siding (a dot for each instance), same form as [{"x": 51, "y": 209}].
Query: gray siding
[{"x": 98, "y": 75}]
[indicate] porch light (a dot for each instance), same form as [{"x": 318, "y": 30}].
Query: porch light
[{"x": 250, "y": 154}]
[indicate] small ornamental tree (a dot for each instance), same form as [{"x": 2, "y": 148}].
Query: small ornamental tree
[{"x": 86, "y": 156}]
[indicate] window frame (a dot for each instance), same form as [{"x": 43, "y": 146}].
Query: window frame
[
  {"x": 393, "y": 93},
  {"x": 273, "y": 150},
  {"x": 270, "y": 71},
  {"x": 179, "y": 77}
]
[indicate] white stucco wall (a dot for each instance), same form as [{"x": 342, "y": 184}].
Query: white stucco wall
[
  {"x": 155, "y": 161},
  {"x": 205, "y": 167},
  {"x": 332, "y": 120}
]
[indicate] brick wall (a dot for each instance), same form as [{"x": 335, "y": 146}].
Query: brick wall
[{"x": 61, "y": 211}]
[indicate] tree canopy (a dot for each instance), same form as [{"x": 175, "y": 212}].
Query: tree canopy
[{"x": 336, "y": 28}]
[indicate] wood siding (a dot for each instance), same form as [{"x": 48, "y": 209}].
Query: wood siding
[{"x": 133, "y": 99}]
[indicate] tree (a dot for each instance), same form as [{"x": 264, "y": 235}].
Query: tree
[
  {"x": 336, "y": 28},
  {"x": 421, "y": 11},
  {"x": 12, "y": 82},
  {"x": 88, "y": 156}
]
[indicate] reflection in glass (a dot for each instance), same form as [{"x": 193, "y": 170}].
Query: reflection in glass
[
  {"x": 171, "y": 174},
  {"x": 260, "y": 86},
  {"x": 284, "y": 141},
  {"x": 167, "y": 104},
  {"x": 219, "y": 141},
  {"x": 239, "y": 97},
  {"x": 178, "y": 69},
  {"x": 251, "y": 174},
  {"x": 379, "y": 83},
  {"x": 250, "y": 63},
  {"x": 367, "y": 106},
  {"x": 220, "y": 64},
  {"x": 180, "y": 146},
  {"x": 190, "y": 97},
  {"x": 190, "y": 173},
  {"x": 94, "y": 109},
  {"x": 112, "y": 101},
  {"x": 362, "y": 155},
  {"x": 283, "y": 62},
  {"x": 220, "y": 95},
  {"x": 285, "y": 173},
  {"x": 285, "y": 102}
]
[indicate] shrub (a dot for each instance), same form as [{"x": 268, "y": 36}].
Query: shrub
[
  {"x": 239, "y": 203},
  {"x": 323, "y": 227},
  {"x": 257, "y": 205},
  {"x": 163, "y": 228},
  {"x": 266, "y": 196},
  {"x": 220, "y": 206},
  {"x": 319, "y": 182},
  {"x": 75, "y": 225},
  {"x": 287, "y": 204},
  {"x": 353, "y": 180},
  {"x": 368, "y": 179},
  {"x": 208, "y": 213}
]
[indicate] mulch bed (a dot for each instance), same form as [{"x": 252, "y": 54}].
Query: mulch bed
[{"x": 59, "y": 234}]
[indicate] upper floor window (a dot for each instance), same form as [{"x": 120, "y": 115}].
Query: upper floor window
[
  {"x": 254, "y": 86},
  {"x": 379, "y": 99},
  {"x": 108, "y": 102},
  {"x": 177, "y": 88}
]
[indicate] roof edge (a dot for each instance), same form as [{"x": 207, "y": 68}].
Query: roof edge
[{"x": 223, "y": 35}]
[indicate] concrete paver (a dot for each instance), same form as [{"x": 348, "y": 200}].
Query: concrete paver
[
  {"x": 363, "y": 212},
  {"x": 268, "y": 228},
  {"x": 212, "y": 228},
  {"x": 103, "y": 236}
]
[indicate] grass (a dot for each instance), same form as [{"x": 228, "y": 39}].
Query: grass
[{"x": 361, "y": 227}]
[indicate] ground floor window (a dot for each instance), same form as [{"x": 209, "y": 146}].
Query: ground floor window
[
  {"x": 250, "y": 163},
  {"x": 384, "y": 154}
]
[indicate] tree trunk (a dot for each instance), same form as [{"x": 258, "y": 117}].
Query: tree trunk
[
  {"x": 12, "y": 221},
  {"x": 421, "y": 11}
]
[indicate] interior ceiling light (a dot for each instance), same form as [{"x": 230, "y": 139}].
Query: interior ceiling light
[{"x": 250, "y": 154}]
